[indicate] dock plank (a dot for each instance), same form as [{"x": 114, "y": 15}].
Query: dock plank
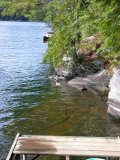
[
  {"x": 64, "y": 144},
  {"x": 68, "y": 145},
  {"x": 71, "y": 153},
  {"x": 12, "y": 147}
]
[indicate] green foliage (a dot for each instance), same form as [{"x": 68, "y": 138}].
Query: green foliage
[
  {"x": 33, "y": 10},
  {"x": 88, "y": 17},
  {"x": 65, "y": 25},
  {"x": 71, "y": 21},
  {"x": 103, "y": 18},
  {"x": 4, "y": 5}
]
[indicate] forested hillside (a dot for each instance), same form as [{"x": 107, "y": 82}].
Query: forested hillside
[
  {"x": 24, "y": 10},
  {"x": 72, "y": 21}
]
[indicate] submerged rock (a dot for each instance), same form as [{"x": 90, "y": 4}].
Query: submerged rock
[
  {"x": 98, "y": 82},
  {"x": 114, "y": 96},
  {"x": 62, "y": 72}
]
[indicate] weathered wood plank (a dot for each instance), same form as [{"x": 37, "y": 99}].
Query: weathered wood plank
[
  {"x": 75, "y": 146},
  {"x": 69, "y": 138},
  {"x": 106, "y": 143},
  {"x": 12, "y": 147},
  {"x": 65, "y": 148},
  {"x": 75, "y": 143},
  {"x": 71, "y": 153},
  {"x": 46, "y": 144}
]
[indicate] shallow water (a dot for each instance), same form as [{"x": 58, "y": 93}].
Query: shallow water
[{"x": 30, "y": 103}]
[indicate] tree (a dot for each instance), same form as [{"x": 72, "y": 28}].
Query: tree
[
  {"x": 103, "y": 18},
  {"x": 63, "y": 16},
  {"x": 70, "y": 17},
  {"x": 33, "y": 10}
]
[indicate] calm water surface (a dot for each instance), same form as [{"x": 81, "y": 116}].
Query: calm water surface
[{"x": 30, "y": 103}]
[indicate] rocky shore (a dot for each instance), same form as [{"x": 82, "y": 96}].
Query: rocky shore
[
  {"x": 102, "y": 82},
  {"x": 87, "y": 70},
  {"x": 96, "y": 82}
]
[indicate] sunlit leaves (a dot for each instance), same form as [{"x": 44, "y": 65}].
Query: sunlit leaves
[
  {"x": 70, "y": 18},
  {"x": 65, "y": 24},
  {"x": 30, "y": 9},
  {"x": 86, "y": 17}
]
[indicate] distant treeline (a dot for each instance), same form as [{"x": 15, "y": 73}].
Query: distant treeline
[
  {"x": 72, "y": 21},
  {"x": 13, "y": 18},
  {"x": 23, "y": 10}
]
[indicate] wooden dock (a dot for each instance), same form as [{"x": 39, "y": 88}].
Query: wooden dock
[{"x": 27, "y": 145}]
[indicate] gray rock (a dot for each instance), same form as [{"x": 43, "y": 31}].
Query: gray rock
[
  {"x": 61, "y": 72},
  {"x": 80, "y": 54},
  {"x": 98, "y": 63},
  {"x": 97, "y": 81},
  {"x": 114, "y": 96}
]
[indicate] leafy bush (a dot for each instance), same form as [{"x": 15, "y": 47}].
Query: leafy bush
[{"x": 71, "y": 18}]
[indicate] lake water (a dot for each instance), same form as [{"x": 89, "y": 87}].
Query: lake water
[{"x": 30, "y": 103}]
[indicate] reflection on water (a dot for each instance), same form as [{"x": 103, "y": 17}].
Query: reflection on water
[
  {"x": 60, "y": 113},
  {"x": 30, "y": 103}
]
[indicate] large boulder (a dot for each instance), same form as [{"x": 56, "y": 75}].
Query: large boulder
[
  {"x": 98, "y": 81},
  {"x": 62, "y": 72},
  {"x": 114, "y": 96}
]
